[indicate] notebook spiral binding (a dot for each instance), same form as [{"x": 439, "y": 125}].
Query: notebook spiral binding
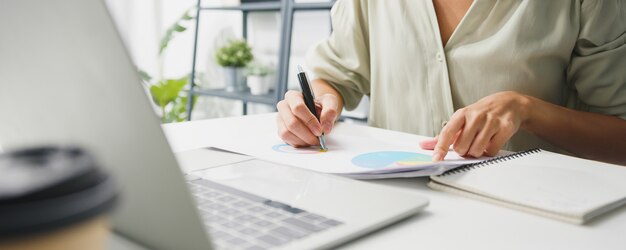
[{"x": 491, "y": 161}]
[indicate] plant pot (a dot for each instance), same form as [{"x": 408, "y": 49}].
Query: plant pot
[
  {"x": 259, "y": 85},
  {"x": 235, "y": 80}
]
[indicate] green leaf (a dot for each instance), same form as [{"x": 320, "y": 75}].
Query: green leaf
[
  {"x": 186, "y": 16},
  {"x": 179, "y": 28},
  {"x": 170, "y": 117},
  {"x": 145, "y": 76},
  {"x": 235, "y": 54},
  {"x": 181, "y": 107},
  {"x": 165, "y": 92},
  {"x": 157, "y": 93},
  {"x": 166, "y": 40}
]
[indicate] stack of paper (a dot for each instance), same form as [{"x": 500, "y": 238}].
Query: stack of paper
[{"x": 354, "y": 151}]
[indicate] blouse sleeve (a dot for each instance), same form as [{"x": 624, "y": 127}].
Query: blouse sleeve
[
  {"x": 597, "y": 69},
  {"x": 343, "y": 59}
]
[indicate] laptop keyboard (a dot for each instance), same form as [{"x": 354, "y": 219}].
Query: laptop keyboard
[{"x": 240, "y": 220}]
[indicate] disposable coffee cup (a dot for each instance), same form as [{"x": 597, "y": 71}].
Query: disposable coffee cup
[{"x": 54, "y": 198}]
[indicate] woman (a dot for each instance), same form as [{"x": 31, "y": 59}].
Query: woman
[{"x": 480, "y": 75}]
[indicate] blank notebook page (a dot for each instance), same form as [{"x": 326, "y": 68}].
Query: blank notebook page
[{"x": 547, "y": 181}]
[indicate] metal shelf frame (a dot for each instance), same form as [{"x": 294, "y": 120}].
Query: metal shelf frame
[{"x": 287, "y": 9}]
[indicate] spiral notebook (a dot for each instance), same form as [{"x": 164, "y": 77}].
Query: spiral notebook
[{"x": 540, "y": 182}]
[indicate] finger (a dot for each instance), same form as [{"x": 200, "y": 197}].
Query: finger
[
  {"x": 496, "y": 143},
  {"x": 287, "y": 136},
  {"x": 318, "y": 109},
  {"x": 480, "y": 143},
  {"x": 298, "y": 108},
  {"x": 428, "y": 144},
  {"x": 467, "y": 137},
  {"x": 448, "y": 134},
  {"x": 329, "y": 113},
  {"x": 295, "y": 126}
]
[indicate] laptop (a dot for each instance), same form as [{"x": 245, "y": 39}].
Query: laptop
[{"x": 66, "y": 78}]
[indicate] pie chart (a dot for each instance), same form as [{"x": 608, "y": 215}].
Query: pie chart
[{"x": 384, "y": 159}]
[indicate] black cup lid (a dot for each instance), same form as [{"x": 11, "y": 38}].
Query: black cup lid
[{"x": 46, "y": 188}]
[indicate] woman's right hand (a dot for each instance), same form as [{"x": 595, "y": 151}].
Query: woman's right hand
[{"x": 297, "y": 126}]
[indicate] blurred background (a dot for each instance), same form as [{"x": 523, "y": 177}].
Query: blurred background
[{"x": 160, "y": 36}]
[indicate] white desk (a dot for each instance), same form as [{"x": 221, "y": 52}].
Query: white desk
[{"x": 449, "y": 222}]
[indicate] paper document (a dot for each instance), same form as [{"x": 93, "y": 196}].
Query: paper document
[{"x": 353, "y": 150}]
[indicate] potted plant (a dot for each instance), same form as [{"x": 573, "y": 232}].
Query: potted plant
[
  {"x": 257, "y": 78},
  {"x": 168, "y": 93},
  {"x": 234, "y": 57}
]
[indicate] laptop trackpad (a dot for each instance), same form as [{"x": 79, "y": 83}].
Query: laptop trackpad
[
  {"x": 273, "y": 181},
  {"x": 328, "y": 195}
]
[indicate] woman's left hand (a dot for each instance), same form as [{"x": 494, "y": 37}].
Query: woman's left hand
[{"x": 481, "y": 128}]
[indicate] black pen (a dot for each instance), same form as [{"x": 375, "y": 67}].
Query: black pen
[{"x": 309, "y": 100}]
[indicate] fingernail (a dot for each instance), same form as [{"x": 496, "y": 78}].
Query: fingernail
[
  {"x": 428, "y": 144},
  {"x": 437, "y": 156}
]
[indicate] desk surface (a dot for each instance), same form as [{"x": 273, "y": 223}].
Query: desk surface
[{"x": 449, "y": 222}]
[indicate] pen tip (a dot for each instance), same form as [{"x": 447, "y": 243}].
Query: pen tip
[
  {"x": 323, "y": 147},
  {"x": 300, "y": 70}
]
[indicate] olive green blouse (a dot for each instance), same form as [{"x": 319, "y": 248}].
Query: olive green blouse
[{"x": 571, "y": 53}]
